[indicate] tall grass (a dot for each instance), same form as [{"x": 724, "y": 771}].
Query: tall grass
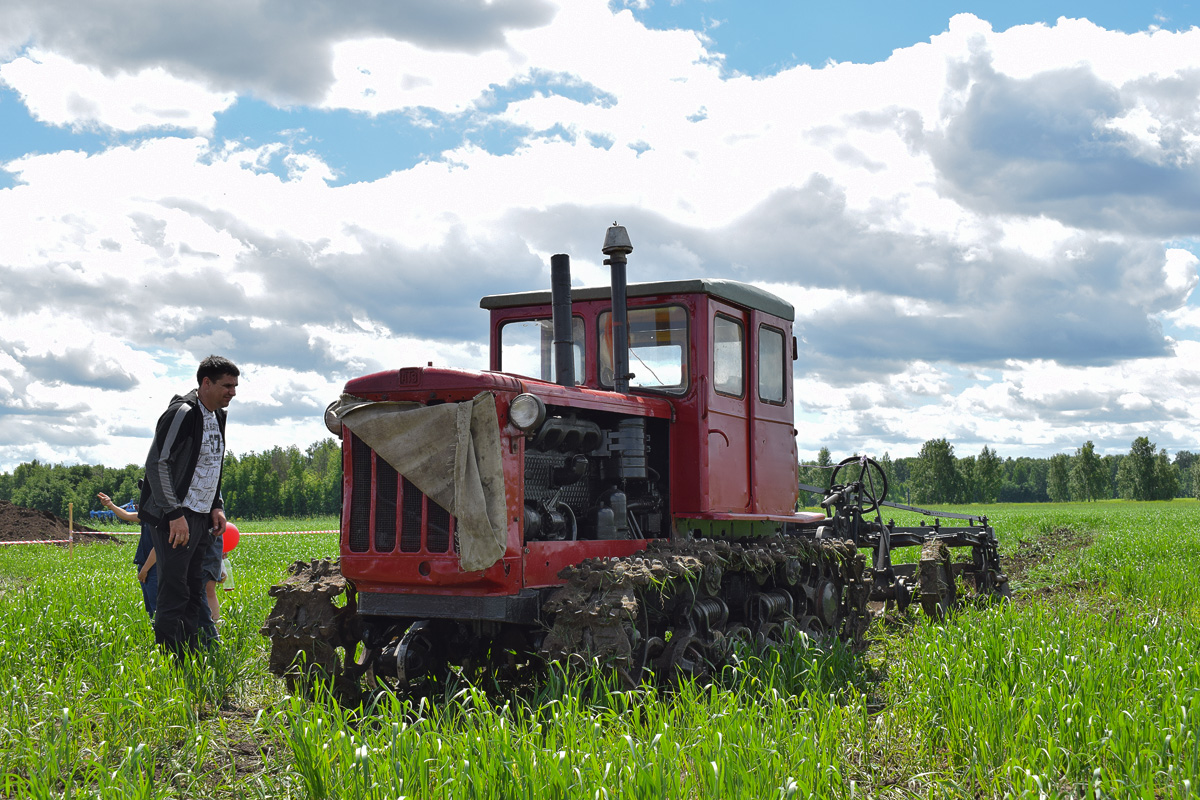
[{"x": 1087, "y": 685}]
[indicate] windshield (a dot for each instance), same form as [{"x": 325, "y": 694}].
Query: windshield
[
  {"x": 658, "y": 348},
  {"x": 527, "y": 348}
]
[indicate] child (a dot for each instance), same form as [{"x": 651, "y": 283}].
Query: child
[
  {"x": 147, "y": 574},
  {"x": 143, "y": 558}
]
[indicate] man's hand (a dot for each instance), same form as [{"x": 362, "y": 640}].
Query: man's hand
[
  {"x": 218, "y": 521},
  {"x": 179, "y": 532},
  {"x": 143, "y": 573},
  {"x": 105, "y": 500}
]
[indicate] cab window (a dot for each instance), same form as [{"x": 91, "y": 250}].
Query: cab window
[
  {"x": 729, "y": 360},
  {"x": 658, "y": 348},
  {"x": 527, "y": 348},
  {"x": 772, "y": 367}
]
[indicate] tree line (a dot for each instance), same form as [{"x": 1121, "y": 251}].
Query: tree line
[
  {"x": 289, "y": 482},
  {"x": 285, "y": 482},
  {"x": 937, "y": 475}
]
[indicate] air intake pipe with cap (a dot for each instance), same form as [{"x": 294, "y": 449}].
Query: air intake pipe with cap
[{"x": 617, "y": 246}]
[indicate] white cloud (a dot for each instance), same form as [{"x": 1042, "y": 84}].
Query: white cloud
[
  {"x": 257, "y": 48},
  {"x": 58, "y": 91},
  {"x": 378, "y": 75},
  {"x": 1180, "y": 271},
  {"x": 1186, "y": 317}
]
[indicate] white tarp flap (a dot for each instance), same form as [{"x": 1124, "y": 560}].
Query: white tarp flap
[{"x": 451, "y": 452}]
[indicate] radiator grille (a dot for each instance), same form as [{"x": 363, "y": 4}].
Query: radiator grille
[
  {"x": 385, "y": 506},
  {"x": 410, "y": 538},
  {"x": 395, "y": 506},
  {"x": 360, "y": 497},
  {"x": 438, "y": 540}
]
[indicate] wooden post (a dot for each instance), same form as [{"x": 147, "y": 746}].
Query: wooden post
[{"x": 71, "y": 528}]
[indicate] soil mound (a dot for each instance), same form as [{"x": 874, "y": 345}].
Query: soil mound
[
  {"x": 1032, "y": 553},
  {"x": 20, "y": 524}
]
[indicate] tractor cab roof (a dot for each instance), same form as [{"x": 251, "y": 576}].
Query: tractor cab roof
[{"x": 742, "y": 294}]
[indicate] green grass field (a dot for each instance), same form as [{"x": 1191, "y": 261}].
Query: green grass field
[{"x": 1086, "y": 685}]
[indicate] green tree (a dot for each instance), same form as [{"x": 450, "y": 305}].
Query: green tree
[
  {"x": 1166, "y": 477},
  {"x": 935, "y": 477},
  {"x": 1112, "y": 465},
  {"x": 1089, "y": 480},
  {"x": 293, "y": 492},
  {"x": 968, "y": 490},
  {"x": 815, "y": 475},
  {"x": 989, "y": 475},
  {"x": 1184, "y": 461},
  {"x": 1057, "y": 481},
  {"x": 1136, "y": 479},
  {"x": 889, "y": 472},
  {"x": 254, "y": 485}
]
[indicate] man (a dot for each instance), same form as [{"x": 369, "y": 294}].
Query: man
[{"x": 181, "y": 499}]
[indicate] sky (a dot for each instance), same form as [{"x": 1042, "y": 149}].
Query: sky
[{"x": 986, "y": 214}]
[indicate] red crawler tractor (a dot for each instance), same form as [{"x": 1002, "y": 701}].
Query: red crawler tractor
[{"x": 620, "y": 484}]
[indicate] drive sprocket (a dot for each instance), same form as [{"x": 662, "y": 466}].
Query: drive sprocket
[{"x": 314, "y": 633}]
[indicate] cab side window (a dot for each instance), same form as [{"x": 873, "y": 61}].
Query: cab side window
[
  {"x": 772, "y": 368},
  {"x": 729, "y": 361}
]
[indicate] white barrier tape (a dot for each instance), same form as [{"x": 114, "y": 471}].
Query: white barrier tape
[
  {"x": 136, "y": 533},
  {"x": 240, "y": 533}
]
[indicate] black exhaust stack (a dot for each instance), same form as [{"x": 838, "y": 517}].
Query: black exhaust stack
[
  {"x": 617, "y": 246},
  {"x": 560, "y": 301}
]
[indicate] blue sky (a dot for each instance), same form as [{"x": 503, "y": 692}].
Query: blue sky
[
  {"x": 755, "y": 39},
  {"x": 1012, "y": 206},
  {"x": 762, "y": 38}
]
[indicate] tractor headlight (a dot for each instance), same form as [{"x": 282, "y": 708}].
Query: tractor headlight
[
  {"x": 527, "y": 412},
  {"x": 332, "y": 422}
]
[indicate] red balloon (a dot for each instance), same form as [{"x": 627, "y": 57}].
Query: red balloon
[{"x": 230, "y": 539}]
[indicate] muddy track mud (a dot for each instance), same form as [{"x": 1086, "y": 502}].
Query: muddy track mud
[
  {"x": 312, "y": 627},
  {"x": 678, "y": 607},
  {"x": 675, "y": 609}
]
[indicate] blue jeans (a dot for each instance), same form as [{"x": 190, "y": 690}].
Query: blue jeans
[{"x": 150, "y": 591}]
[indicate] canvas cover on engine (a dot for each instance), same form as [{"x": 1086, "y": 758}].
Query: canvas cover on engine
[{"x": 451, "y": 452}]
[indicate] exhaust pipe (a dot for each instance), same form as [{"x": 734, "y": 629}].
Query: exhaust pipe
[
  {"x": 617, "y": 246},
  {"x": 560, "y": 303}
]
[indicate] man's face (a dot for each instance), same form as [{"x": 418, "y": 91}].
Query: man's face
[{"x": 217, "y": 394}]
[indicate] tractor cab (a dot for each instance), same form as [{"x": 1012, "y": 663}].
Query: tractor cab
[{"x": 718, "y": 352}]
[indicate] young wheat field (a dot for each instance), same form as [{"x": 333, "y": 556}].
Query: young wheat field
[{"x": 1087, "y": 684}]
